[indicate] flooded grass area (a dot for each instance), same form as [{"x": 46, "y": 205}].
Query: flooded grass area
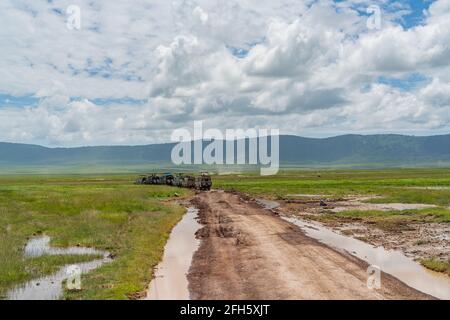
[
  {"x": 40, "y": 246},
  {"x": 78, "y": 213},
  {"x": 347, "y": 206},
  {"x": 51, "y": 287},
  {"x": 390, "y": 185},
  {"x": 170, "y": 277}
]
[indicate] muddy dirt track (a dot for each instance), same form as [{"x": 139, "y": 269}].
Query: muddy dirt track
[{"x": 248, "y": 252}]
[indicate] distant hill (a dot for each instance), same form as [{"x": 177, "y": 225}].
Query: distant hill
[
  {"x": 294, "y": 151},
  {"x": 365, "y": 149},
  {"x": 25, "y": 154}
]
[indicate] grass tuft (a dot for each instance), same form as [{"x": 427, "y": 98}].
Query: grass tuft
[{"x": 436, "y": 265}]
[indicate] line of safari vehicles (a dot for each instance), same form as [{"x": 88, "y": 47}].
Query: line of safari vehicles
[{"x": 200, "y": 182}]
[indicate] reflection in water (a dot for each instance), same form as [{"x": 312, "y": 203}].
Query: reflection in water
[
  {"x": 392, "y": 262},
  {"x": 50, "y": 287},
  {"x": 41, "y": 246},
  {"x": 170, "y": 280}
]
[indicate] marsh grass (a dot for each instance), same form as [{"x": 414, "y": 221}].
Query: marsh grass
[
  {"x": 392, "y": 220},
  {"x": 106, "y": 213},
  {"x": 425, "y": 215},
  {"x": 437, "y": 265},
  {"x": 393, "y": 184}
]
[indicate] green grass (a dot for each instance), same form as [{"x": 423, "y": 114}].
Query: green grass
[
  {"x": 133, "y": 222},
  {"x": 426, "y": 196},
  {"x": 392, "y": 220},
  {"x": 429, "y": 214},
  {"x": 394, "y": 185},
  {"x": 108, "y": 213},
  {"x": 436, "y": 265}
]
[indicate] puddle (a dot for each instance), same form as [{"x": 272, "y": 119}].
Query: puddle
[
  {"x": 267, "y": 204},
  {"x": 51, "y": 287},
  {"x": 344, "y": 206},
  {"x": 430, "y": 188},
  {"x": 37, "y": 247},
  {"x": 312, "y": 196},
  {"x": 401, "y": 206},
  {"x": 390, "y": 261},
  {"x": 170, "y": 282}
]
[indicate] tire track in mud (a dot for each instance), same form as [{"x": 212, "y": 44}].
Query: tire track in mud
[{"x": 247, "y": 252}]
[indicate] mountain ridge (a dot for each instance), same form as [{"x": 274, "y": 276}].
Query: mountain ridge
[{"x": 350, "y": 148}]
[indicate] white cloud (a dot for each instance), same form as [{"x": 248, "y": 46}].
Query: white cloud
[{"x": 308, "y": 67}]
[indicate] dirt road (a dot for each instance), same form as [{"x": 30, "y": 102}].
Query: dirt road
[{"x": 248, "y": 252}]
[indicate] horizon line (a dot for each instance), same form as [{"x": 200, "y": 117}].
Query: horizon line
[{"x": 166, "y": 143}]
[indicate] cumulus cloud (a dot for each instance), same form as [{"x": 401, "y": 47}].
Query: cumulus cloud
[{"x": 137, "y": 70}]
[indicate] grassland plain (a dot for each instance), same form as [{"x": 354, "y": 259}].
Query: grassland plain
[
  {"x": 402, "y": 185},
  {"x": 108, "y": 213},
  {"x": 133, "y": 222},
  {"x": 409, "y": 186}
]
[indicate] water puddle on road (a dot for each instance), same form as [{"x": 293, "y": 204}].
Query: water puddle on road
[
  {"x": 392, "y": 262},
  {"x": 51, "y": 287},
  {"x": 170, "y": 282}
]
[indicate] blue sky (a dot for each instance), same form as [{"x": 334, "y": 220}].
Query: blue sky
[
  {"x": 20, "y": 101},
  {"x": 135, "y": 72},
  {"x": 418, "y": 7},
  {"x": 407, "y": 83},
  {"x": 414, "y": 9}
]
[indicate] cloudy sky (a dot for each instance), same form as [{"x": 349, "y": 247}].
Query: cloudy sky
[{"x": 136, "y": 70}]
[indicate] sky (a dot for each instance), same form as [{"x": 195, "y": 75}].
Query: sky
[{"x": 133, "y": 71}]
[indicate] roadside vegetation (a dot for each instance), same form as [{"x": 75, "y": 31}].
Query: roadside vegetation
[
  {"x": 106, "y": 213},
  {"x": 436, "y": 265},
  {"x": 394, "y": 185},
  {"x": 392, "y": 220}
]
